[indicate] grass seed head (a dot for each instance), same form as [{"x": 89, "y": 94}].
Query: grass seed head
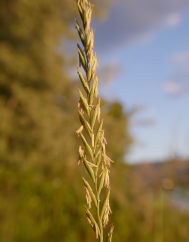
[{"x": 91, "y": 107}]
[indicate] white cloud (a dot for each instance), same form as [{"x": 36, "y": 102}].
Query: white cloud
[
  {"x": 142, "y": 108},
  {"x": 131, "y": 21},
  {"x": 173, "y": 20},
  {"x": 180, "y": 58},
  {"x": 144, "y": 122},
  {"x": 173, "y": 88},
  {"x": 179, "y": 83}
]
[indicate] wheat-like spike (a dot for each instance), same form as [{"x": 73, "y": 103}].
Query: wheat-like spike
[{"x": 90, "y": 104}]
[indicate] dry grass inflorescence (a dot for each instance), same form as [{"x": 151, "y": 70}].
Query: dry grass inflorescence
[{"x": 95, "y": 160}]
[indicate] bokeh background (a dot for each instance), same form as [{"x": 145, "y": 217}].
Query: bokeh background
[{"x": 143, "y": 54}]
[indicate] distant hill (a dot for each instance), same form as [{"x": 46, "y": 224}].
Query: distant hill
[{"x": 154, "y": 174}]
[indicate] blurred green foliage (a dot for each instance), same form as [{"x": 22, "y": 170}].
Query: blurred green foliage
[{"x": 41, "y": 191}]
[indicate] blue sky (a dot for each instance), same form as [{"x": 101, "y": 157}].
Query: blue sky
[{"x": 146, "y": 46}]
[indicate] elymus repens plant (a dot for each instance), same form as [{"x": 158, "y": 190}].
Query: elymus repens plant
[{"x": 94, "y": 157}]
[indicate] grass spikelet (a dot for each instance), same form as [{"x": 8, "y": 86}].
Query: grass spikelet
[
  {"x": 80, "y": 9},
  {"x": 95, "y": 114},
  {"x": 91, "y": 97},
  {"x": 92, "y": 221},
  {"x": 105, "y": 204},
  {"x": 85, "y": 124},
  {"x": 84, "y": 83},
  {"x": 107, "y": 160},
  {"x": 110, "y": 233},
  {"x": 90, "y": 191},
  {"x": 101, "y": 181},
  {"x": 84, "y": 103},
  {"x": 88, "y": 198},
  {"x": 106, "y": 213},
  {"x": 88, "y": 148},
  {"x": 82, "y": 61},
  {"x": 106, "y": 178},
  {"x": 98, "y": 133},
  {"x": 89, "y": 74},
  {"x": 89, "y": 169},
  {"x": 79, "y": 130},
  {"x": 80, "y": 32},
  {"x": 99, "y": 157},
  {"x": 81, "y": 155}
]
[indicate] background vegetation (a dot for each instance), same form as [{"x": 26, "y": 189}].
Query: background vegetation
[{"x": 41, "y": 191}]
